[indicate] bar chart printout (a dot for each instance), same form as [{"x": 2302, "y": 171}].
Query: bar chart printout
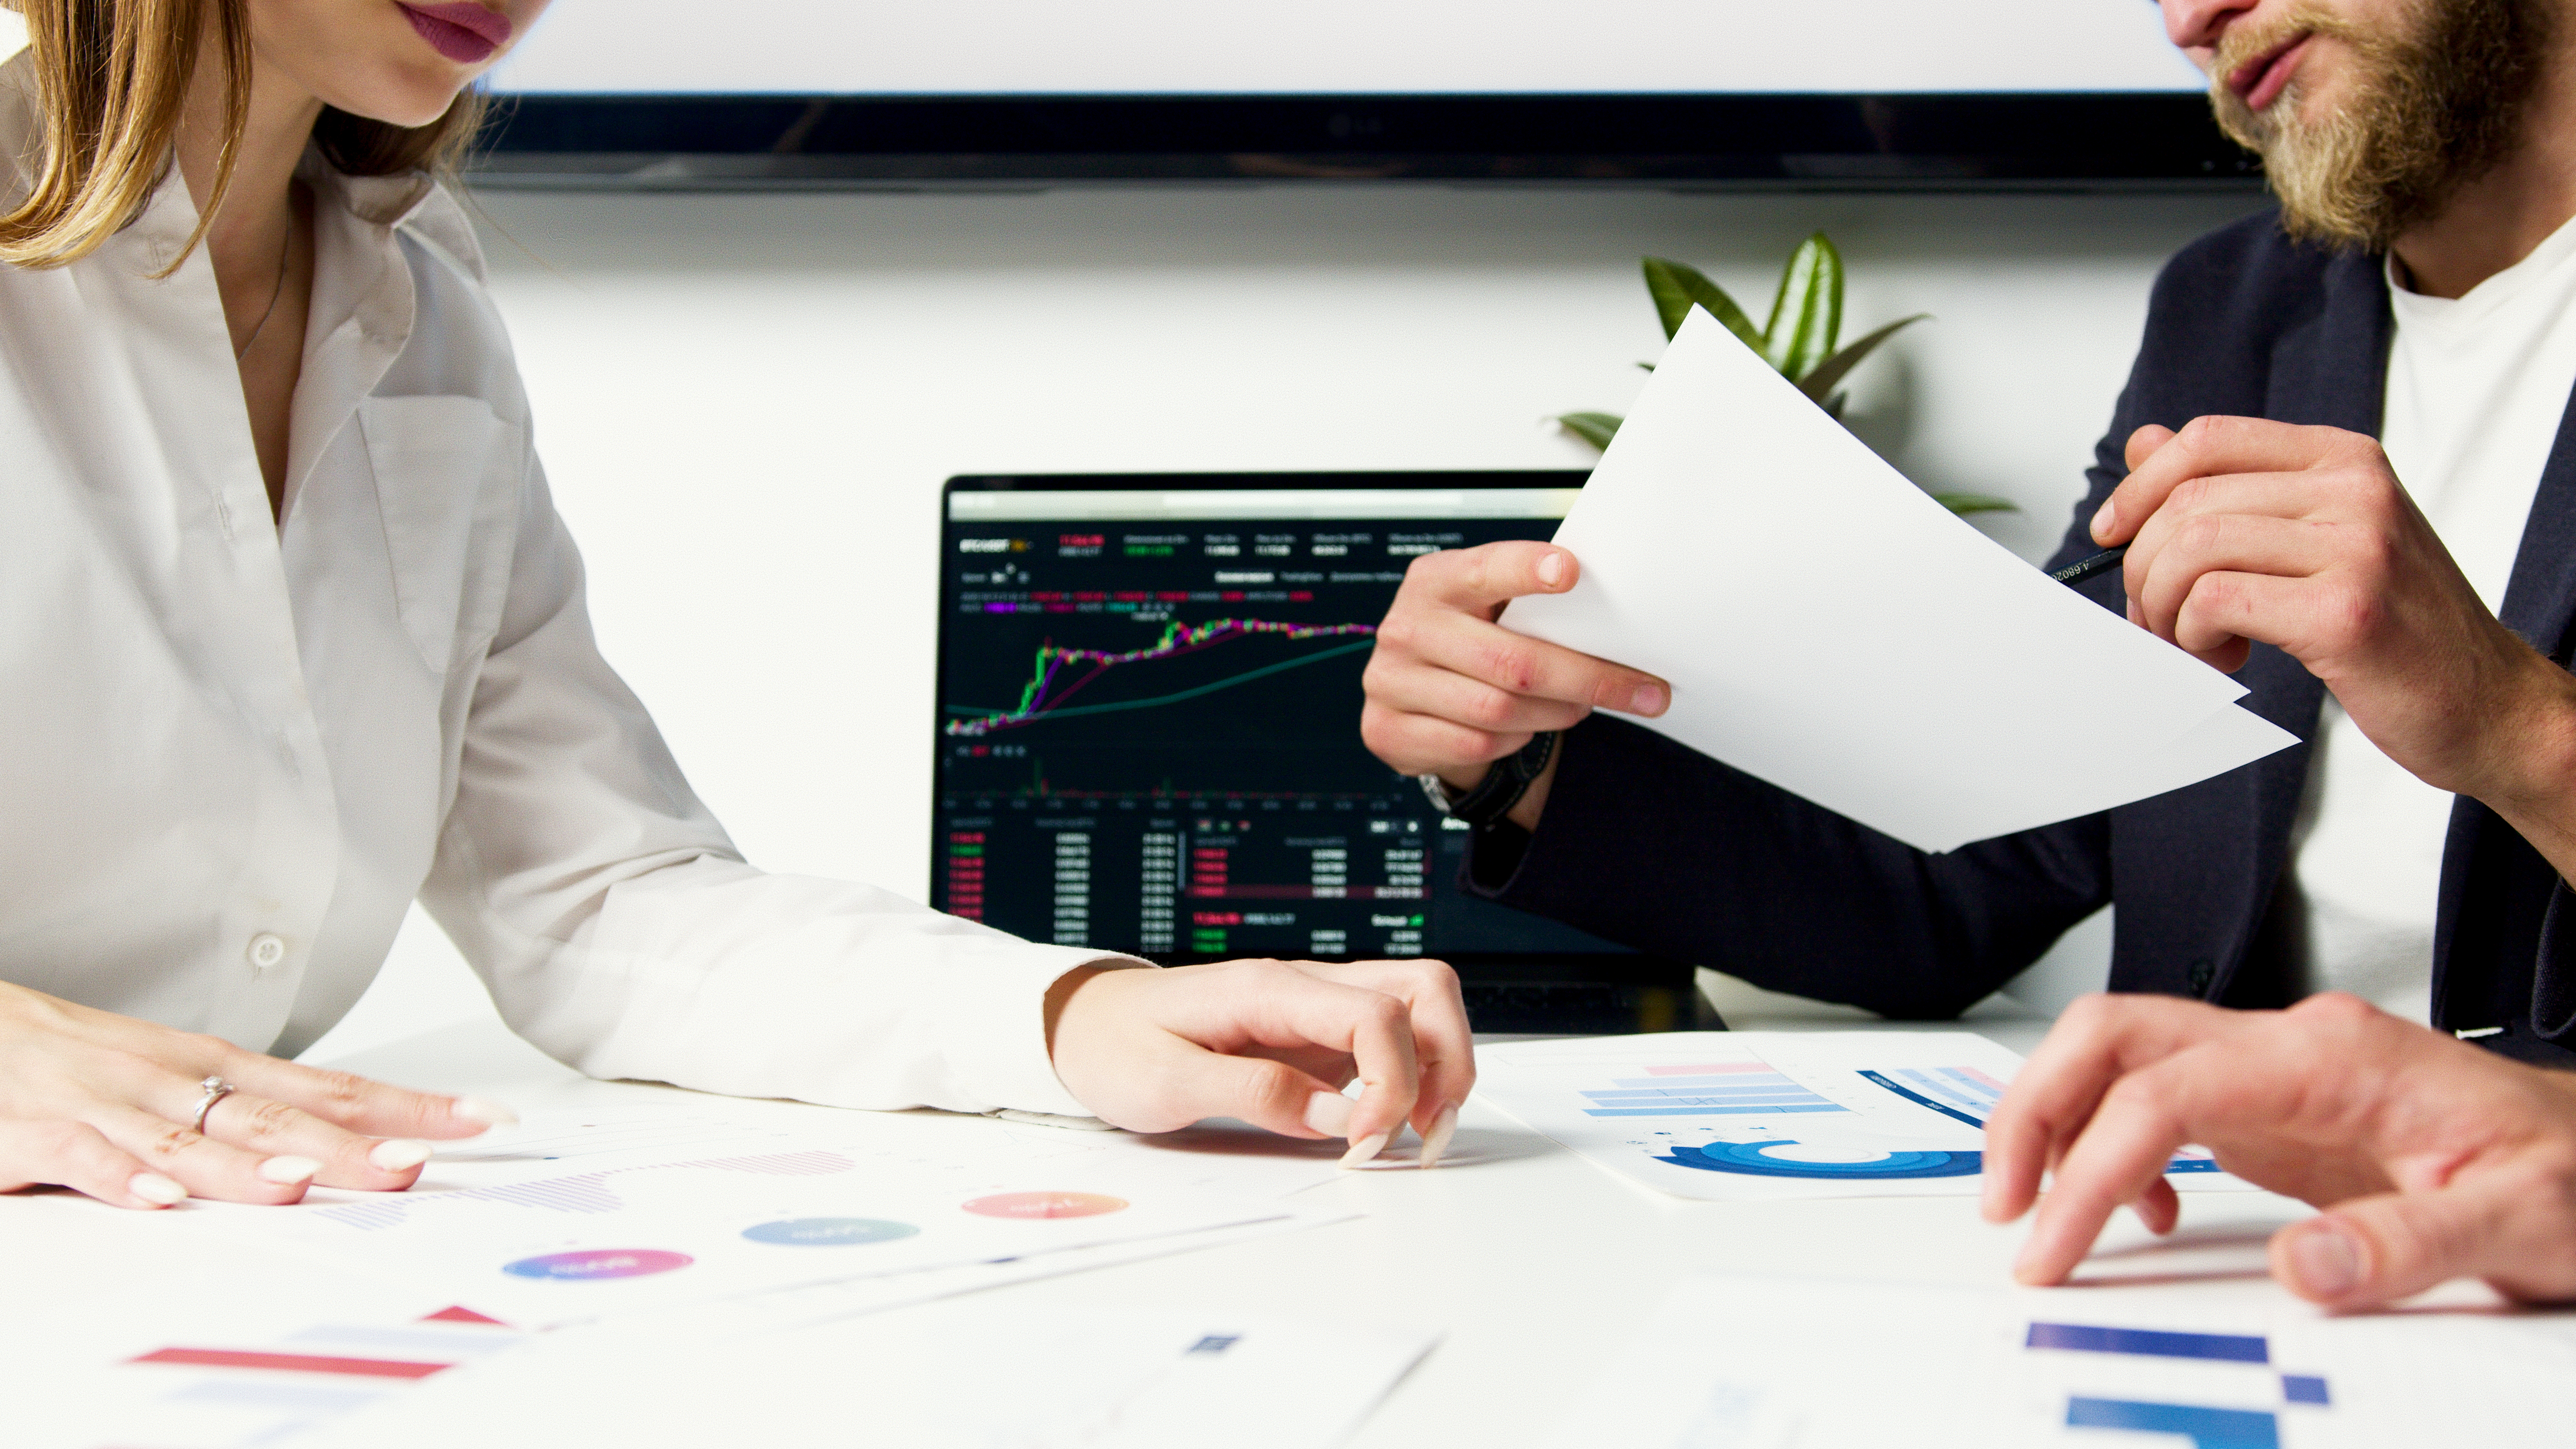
[
  {"x": 1756, "y": 1363},
  {"x": 1737, "y": 1115}
]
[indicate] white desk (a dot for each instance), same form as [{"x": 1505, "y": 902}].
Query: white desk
[{"x": 1536, "y": 1266}]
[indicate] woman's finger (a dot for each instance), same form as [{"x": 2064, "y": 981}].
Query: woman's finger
[
  {"x": 271, "y": 1128},
  {"x": 205, "y": 1167},
  {"x": 76, "y": 1156},
  {"x": 1444, "y": 1044},
  {"x": 363, "y": 1105}
]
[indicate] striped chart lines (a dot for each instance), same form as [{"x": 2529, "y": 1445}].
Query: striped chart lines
[
  {"x": 1049, "y": 687},
  {"x": 586, "y": 1192}
]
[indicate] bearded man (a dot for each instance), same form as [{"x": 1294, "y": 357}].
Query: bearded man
[{"x": 2344, "y": 470}]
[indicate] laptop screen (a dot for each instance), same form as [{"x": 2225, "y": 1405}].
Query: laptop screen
[{"x": 1149, "y": 702}]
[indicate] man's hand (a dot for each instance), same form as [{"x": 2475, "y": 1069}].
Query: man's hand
[
  {"x": 2241, "y": 529},
  {"x": 1450, "y": 691},
  {"x": 1271, "y": 1042},
  {"x": 104, "y": 1104},
  {"x": 2434, "y": 1159}
]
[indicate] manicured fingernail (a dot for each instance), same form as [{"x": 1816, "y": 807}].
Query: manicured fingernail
[
  {"x": 1364, "y": 1149},
  {"x": 397, "y": 1155},
  {"x": 1551, "y": 569},
  {"x": 1329, "y": 1113},
  {"x": 288, "y": 1171},
  {"x": 2327, "y": 1261},
  {"x": 483, "y": 1110},
  {"x": 153, "y": 1187},
  {"x": 2103, "y": 520},
  {"x": 1436, "y": 1141},
  {"x": 1649, "y": 700}
]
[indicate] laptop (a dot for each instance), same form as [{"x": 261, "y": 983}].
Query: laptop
[{"x": 1148, "y": 734}]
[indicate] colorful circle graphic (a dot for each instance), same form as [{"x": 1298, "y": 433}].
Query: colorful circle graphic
[
  {"x": 828, "y": 1232},
  {"x": 591, "y": 1265},
  {"x": 1790, "y": 1159},
  {"x": 1046, "y": 1205}
]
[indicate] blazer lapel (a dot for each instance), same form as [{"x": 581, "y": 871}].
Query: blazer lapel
[{"x": 2539, "y": 599}]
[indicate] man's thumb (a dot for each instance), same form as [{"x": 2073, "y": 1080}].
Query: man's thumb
[{"x": 2374, "y": 1250}]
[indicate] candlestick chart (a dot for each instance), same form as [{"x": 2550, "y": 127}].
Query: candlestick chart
[{"x": 1062, "y": 671}]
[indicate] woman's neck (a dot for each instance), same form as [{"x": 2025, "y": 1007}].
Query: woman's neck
[{"x": 254, "y": 222}]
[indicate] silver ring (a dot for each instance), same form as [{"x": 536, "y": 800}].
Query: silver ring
[{"x": 216, "y": 1089}]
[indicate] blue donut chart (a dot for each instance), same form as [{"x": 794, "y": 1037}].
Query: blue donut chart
[{"x": 1748, "y": 1158}]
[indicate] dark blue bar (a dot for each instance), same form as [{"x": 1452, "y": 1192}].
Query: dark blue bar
[
  {"x": 2149, "y": 1342},
  {"x": 1911, "y": 1095},
  {"x": 2205, "y": 1428}
]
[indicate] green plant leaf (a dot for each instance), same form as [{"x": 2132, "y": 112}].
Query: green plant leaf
[
  {"x": 1675, "y": 287},
  {"x": 1807, "y": 311},
  {"x": 1819, "y": 383},
  {"x": 1964, "y": 503},
  {"x": 1594, "y": 428}
]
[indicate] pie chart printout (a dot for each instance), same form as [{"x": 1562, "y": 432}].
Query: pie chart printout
[
  {"x": 1794, "y": 1159},
  {"x": 828, "y": 1232},
  {"x": 1045, "y": 1205},
  {"x": 1777, "y": 1115},
  {"x": 595, "y": 1265}
]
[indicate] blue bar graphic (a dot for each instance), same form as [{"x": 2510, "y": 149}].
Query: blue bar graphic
[
  {"x": 2149, "y": 1342},
  {"x": 1701, "y": 1111},
  {"x": 1920, "y": 1100},
  {"x": 2205, "y": 1428},
  {"x": 2304, "y": 1389}
]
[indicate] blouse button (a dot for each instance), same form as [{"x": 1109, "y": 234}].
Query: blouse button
[{"x": 266, "y": 950}]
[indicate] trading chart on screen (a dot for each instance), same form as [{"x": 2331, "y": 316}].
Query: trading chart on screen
[{"x": 1149, "y": 723}]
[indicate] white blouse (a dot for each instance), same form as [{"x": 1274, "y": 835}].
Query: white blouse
[{"x": 234, "y": 752}]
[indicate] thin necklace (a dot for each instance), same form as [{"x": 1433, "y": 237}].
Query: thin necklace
[{"x": 283, "y": 254}]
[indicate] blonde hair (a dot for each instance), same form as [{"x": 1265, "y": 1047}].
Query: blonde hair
[{"x": 112, "y": 78}]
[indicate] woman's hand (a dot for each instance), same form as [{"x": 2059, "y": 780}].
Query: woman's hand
[
  {"x": 103, "y": 1104},
  {"x": 1271, "y": 1042},
  {"x": 2434, "y": 1159},
  {"x": 1450, "y": 691}
]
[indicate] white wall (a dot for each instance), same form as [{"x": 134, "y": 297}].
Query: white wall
[{"x": 747, "y": 404}]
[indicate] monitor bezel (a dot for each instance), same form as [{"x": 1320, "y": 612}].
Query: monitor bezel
[
  {"x": 2059, "y": 141},
  {"x": 1619, "y": 968}
]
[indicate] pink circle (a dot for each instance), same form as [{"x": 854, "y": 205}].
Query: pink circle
[
  {"x": 591, "y": 1265},
  {"x": 1046, "y": 1205}
]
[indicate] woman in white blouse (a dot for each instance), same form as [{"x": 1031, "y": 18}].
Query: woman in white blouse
[{"x": 295, "y": 636}]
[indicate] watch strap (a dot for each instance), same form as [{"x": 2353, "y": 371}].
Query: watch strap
[{"x": 1503, "y": 786}]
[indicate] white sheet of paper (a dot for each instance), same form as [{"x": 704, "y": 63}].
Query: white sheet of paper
[
  {"x": 1829, "y": 628},
  {"x": 583, "y": 1216},
  {"x": 999, "y": 1375},
  {"x": 1737, "y": 1115},
  {"x": 1772, "y": 1363}
]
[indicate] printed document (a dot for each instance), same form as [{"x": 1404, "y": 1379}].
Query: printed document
[
  {"x": 1829, "y": 628},
  {"x": 1735, "y": 1115}
]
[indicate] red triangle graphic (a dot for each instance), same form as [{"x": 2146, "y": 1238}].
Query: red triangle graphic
[{"x": 462, "y": 1315}]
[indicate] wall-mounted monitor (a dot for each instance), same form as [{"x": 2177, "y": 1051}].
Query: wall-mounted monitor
[{"x": 2029, "y": 93}]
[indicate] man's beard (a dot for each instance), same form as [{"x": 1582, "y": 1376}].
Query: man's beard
[{"x": 2422, "y": 112}]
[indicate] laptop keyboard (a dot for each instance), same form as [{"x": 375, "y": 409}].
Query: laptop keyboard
[{"x": 1585, "y": 1008}]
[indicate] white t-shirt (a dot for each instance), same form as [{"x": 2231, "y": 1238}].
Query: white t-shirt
[{"x": 2476, "y": 389}]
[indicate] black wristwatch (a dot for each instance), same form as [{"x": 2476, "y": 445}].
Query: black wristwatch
[{"x": 1502, "y": 788}]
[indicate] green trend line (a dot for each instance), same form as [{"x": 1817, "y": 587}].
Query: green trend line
[{"x": 1227, "y": 683}]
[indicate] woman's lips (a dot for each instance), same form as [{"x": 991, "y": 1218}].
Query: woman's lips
[
  {"x": 463, "y": 32},
  {"x": 2260, "y": 81}
]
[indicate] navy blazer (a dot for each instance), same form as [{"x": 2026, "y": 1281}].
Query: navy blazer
[{"x": 1655, "y": 846}]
